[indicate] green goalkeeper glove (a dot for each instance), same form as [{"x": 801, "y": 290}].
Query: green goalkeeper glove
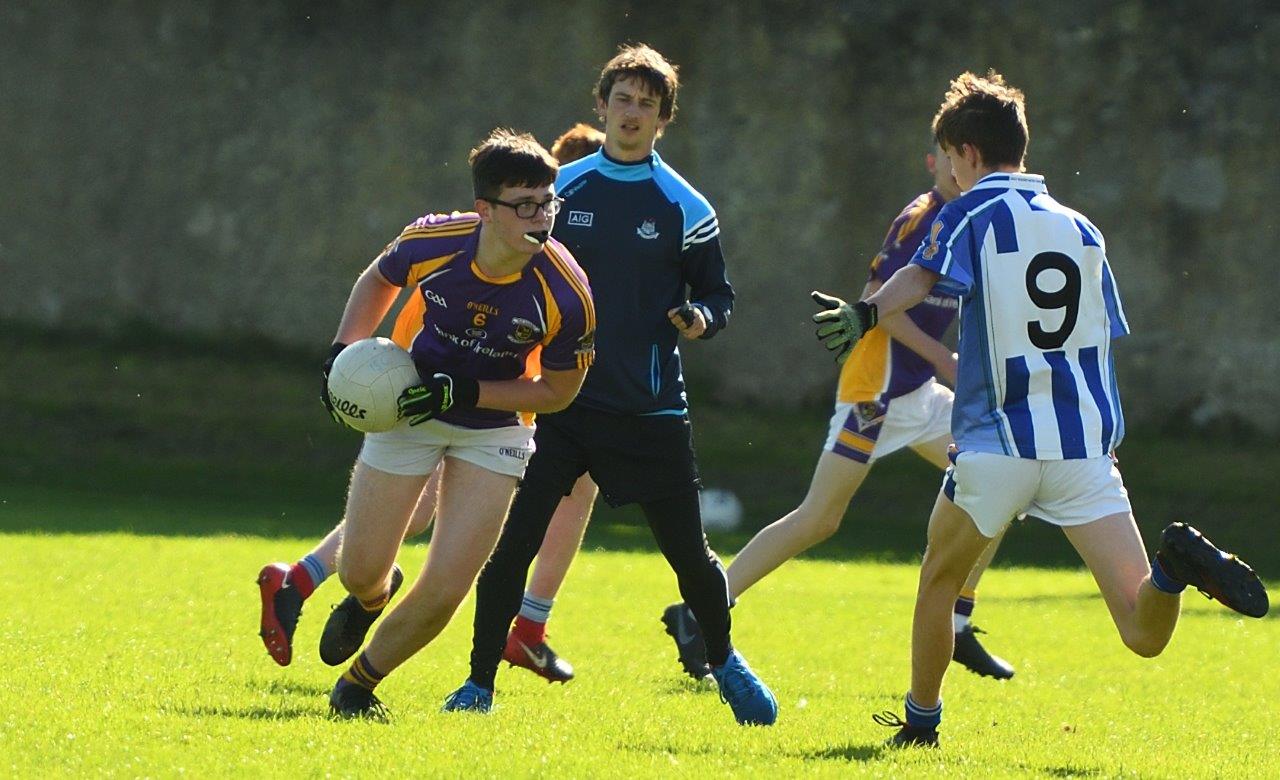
[
  {"x": 436, "y": 395},
  {"x": 841, "y": 325}
]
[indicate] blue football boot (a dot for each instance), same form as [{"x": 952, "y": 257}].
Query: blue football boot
[
  {"x": 751, "y": 700},
  {"x": 469, "y": 698}
]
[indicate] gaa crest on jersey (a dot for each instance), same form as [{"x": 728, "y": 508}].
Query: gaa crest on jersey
[
  {"x": 434, "y": 297},
  {"x": 523, "y": 331},
  {"x": 869, "y": 413},
  {"x": 932, "y": 249},
  {"x": 648, "y": 229}
]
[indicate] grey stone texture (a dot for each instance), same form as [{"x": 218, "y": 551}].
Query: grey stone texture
[{"x": 231, "y": 166}]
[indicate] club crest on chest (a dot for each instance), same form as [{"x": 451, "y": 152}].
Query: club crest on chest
[
  {"x": 648, "y": 229},
  {"x": 523, "y": 331}
]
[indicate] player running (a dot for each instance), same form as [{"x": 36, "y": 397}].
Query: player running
[
  {"x": 888, "y": 397},
  {"x": 284, "y": 588},
  {"x": 491, "y": 287},
  {"x": 527, "y": 642},
  {"x": 647, "y": 239},
  {"x": 1037, "y": 413}
]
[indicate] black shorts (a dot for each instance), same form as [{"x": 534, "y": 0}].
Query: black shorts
[{"x": 633, "y": 458}]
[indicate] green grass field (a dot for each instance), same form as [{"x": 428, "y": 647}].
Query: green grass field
[
  {"x": 137, "y": 656},
  {"x": 144, "y": 481}
]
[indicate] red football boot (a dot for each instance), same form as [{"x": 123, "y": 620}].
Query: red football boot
[
  {"x": 281, "y": 607},
  {"x": 537, "y": 657}
]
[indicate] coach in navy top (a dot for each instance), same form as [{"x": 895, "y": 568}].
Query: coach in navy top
[
  {"x": 649, "y": 236},
  {"x": 649, "y": 244}
]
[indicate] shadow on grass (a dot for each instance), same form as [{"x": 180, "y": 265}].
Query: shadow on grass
[
  {"x": 684, "y": 686},
  {"x": 194, "y": 499},
  {"x": 1063, "y": 771},
  {"x": 991, "y": 597},
  {"x": 849, "y": 752},
  {"x": 306, "y": 508},
  {"x": 289, "y": 688},
  {"x": 251, "y": 712}
]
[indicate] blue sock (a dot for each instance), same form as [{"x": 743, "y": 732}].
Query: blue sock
[
  {"x": 536, "y": 609},
  {"x": 1162, "y": 581},
  {"x": 923, "y": 718},
  {"x": 316, "y": 568}
]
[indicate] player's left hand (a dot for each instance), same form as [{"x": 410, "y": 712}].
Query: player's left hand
[
  {"x": 436, "y": 395},
  {"x": 325, "y": 369},
  {"x": 689, "y": 320},
  {"x": 841, "y": 325}
]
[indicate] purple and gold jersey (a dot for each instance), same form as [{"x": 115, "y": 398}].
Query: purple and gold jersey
[
  {"x": 880, "y": 368},
  {"x": 463, "y": 322}
]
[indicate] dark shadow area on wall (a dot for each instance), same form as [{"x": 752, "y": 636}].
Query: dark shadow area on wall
[{"x": 159, "y": 434}]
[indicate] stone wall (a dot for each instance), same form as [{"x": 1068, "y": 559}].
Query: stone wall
[{"x": 231, "y": 166}]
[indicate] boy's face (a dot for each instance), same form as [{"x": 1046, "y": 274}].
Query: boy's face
[
  {"x": 944, "y": 179},
  {"x": 520, "y": 235},
  {"x": 631, "y": 122},
  {"x": 964, "y": 165}
]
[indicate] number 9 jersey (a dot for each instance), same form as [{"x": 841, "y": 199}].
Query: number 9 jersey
[{"x": 1038, "y": 311}]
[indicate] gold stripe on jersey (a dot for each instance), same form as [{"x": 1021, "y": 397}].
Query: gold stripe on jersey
[
  {"x": 424, "y": 268},
  {"x": 553, "y": 309},
  {"x": 532, "y": 370},
  {"x": 484, "y": 277},
  {"x": 588, "y": 307},
  {"x": 864, "y": 374},
  {"x": 462, "y": 225},
  {"x": 417, "y": 233},
  {"x": 918, "y": 208},
  {"x": 409, "y": 321},
  {"x": 444, "y": 230},
  {"x": 856, "y": 441}
]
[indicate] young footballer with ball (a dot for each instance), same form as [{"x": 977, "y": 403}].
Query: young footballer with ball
[
  {"x": 493, "y": 288},
  {"x": 284, "y": 588}
]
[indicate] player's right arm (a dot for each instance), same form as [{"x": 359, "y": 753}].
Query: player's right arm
[
  {"x": 905, "y": 331},
  {"x": 370, "y": 300},
  {"x": 422, "y": 247},
  {"x": 905, "y": 289},
  {"x": 841, "y": 325},
  {"x": 368, "y": 303}
]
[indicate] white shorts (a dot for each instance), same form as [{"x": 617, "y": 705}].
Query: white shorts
[
  {"x": 872, "y": 429},
  {"x": 417, "y": 449},
  {"x": 994, "y": 488}
]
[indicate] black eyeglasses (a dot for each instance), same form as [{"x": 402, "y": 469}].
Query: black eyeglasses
[{"x": 528, "y": 209}]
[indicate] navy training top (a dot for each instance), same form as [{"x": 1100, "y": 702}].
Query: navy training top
[{"x": 647, "y": 240}]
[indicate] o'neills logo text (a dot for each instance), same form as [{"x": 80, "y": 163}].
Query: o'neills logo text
[{"x": 349, "y": 408}]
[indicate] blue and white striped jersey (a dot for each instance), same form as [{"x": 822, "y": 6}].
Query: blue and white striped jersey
[{"x": 1038, "y": 311}]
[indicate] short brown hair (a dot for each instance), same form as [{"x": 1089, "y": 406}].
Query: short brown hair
[
  {"x": 510, "y": 159},
  {"x": 986, "y": 113},
  {"x": 577, "y": 142},
  {"x": 638, "y": 60}
]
